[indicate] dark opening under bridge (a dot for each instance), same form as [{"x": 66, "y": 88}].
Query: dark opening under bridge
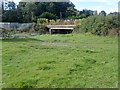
[{"x": 60, "y": 28}]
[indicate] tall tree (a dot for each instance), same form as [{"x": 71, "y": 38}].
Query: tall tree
[
  {"x": 102, "y": 13},
  {"x": 9, "y": 13},
  {"x": 10, "y": 5},
  {"x": 32, "y": 10}
]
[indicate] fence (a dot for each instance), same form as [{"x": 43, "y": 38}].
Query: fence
[{"x": 7, "y": 25}]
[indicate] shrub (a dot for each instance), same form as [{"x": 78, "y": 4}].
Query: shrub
[
  {"x": 24, "y": 28},
  {"x": 39, "y": 28},
  {"x": 77, "y": 29},
  {"x": 58, "y": 20},
  {"x": 42, "y": 20},
  {"x": 7, "y": 32},
  {"x": 52, "y": 20},
  {"x": 98, "y": 25}
]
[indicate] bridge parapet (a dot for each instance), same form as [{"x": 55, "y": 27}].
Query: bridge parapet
[{"x": 61, "y": 26}]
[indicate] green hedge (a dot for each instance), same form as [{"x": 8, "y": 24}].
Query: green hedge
[{"x": 99, "y": 25}]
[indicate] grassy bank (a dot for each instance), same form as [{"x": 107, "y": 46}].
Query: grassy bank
[{"x": 60, "y": 61}]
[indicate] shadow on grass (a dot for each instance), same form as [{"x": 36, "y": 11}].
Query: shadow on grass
[{"x": 19, "y": 40}]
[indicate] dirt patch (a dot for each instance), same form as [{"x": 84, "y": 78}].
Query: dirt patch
[
  {"x": 113, "y": 32},
  {"x": 53, "y": 44}
]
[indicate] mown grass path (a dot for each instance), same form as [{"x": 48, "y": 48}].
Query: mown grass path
[{"x": 88, "y": 61}]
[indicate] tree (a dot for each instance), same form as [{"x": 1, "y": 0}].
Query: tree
[
  {"x": 9, "y": 13},
  {"x": 41, "y": 7},
  {"x": 27, "y": 12},
  {"x": 95, "y": 13},
  {"x": 102, "y": 13},
  {"x": 30, "y": 9},
  {"x": 10, "y": 5},
  {"x": 113, "y": 13},
  {"x": 48, "y": 15},
  {"x": 21, "y": 12},
  {"x": 10, "y": 16},
  {"x": 71, "y": 11}
]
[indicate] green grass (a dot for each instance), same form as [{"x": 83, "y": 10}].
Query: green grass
[
  {"x": 88, "y": 61},
  {"x": 0, "y": 64}
]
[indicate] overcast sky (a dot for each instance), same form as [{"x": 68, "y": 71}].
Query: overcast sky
[{"x": 106, "y": 5}]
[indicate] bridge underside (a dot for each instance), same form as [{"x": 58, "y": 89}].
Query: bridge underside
[{"x": 60, "y": 30}]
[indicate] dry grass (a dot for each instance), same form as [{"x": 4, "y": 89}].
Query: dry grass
[{"x": 64, "y": 23}]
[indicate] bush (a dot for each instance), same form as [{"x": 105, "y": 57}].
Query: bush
[
  {"x": 58, "y": 20},
  {"x": 42, "y": 20},
  {"x": 77, "y": 29},
  {"x": 7, "y": 32},
  {"x": 25, "y": 28},
  {"x": 39, "y": 28},
  {"x": 98, "y": 25},
  {"x": 52, "y": 20}
]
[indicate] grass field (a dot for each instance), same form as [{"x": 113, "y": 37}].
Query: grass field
[{"x": 60, "y": 61}]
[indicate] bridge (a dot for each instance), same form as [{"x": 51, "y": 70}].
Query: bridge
[{"x": 60, "y": 28}]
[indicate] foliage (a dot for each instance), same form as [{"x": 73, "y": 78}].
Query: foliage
[
  {"x": 13, "y": 33},
  {"x": 10, "y": 5},
  {"x": 102, "y": 13},
  {"x": 28, "y": 12},
  {"x": 99, "y": 25},
  {"x": 52, "y": 20},
  {"x": 42, "y": 20},
  {"x": 80, "y": 14},
  {"x": 86, "y": 13},
  {"x": 39, "y": 27},
  {"x": 10, "y": 16},
  {"x": 48, "y": 15},
  {"x": 9, "y": 11},
  {"x": 71, "y": 11},
  {"x": 6, "y": 33},
  {"x": 24, "y": 28},
  {"x": 58, "y": 20}
]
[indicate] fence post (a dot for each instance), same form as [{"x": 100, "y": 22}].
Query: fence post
[{"x": 50, "y": 31}]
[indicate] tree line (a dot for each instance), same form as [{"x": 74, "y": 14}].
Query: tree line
[{"x": 27, "y": 12}]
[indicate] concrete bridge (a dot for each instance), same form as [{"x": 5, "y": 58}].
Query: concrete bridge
[{"x": 60, "y": 28}]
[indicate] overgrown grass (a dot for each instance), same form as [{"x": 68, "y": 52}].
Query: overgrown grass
[{"x": 88, "y": 61}]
